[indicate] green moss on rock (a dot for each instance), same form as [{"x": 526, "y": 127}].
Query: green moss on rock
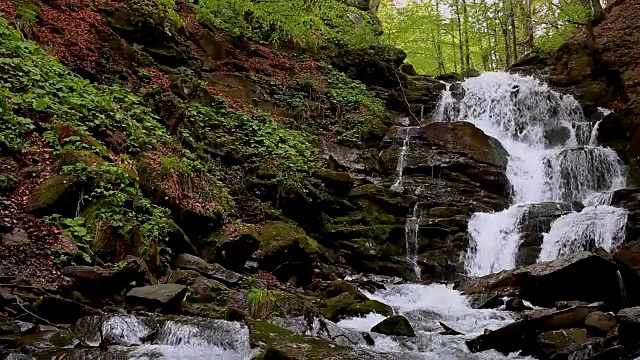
[
  {"x": 345, "y": 305},
  {"x": 57, "y": 195},
  {"x": 278, "y": 342}
]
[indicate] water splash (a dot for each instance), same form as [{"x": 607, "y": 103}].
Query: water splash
[
  {"x": 494, "y": 240},
  {"x": 601, "y": 226},
  {"x": 547, "y": 137},
  {"x": 425, "y": 306},
  {"x": 205, "y": 339}
]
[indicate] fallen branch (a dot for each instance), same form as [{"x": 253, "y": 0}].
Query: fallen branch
[
  {"x": 41, "y": 318},
  {"x": 404, "y": 95}
]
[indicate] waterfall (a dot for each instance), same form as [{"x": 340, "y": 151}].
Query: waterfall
[
  {"x": 623, "y": 290},
  {"x": 411, "y": 232},
  {"x": 405, "y": 134},
  {"x": 552, "y": 157}
]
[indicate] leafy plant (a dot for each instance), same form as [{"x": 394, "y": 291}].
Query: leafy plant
[{"x": 308, "y": 23}]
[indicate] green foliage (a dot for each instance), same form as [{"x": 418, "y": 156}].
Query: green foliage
[
  {"x": 261, "y": 303},
  {"x": 75, "y": 229},
  {"x": 121, "y": 208},
  {"x": 311, "y": 23},
  {"x": 35, "y": 88},
  {"x": 261, "y": 142},
  {"x": 7, "y": 182},
  {"x": 334, "y": 103},
  {"x": 196, "y": 184}
]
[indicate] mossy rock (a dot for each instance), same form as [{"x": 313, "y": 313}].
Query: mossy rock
[
  {"x": 396, "y": 325},
  {"x": 277, "y": 237},
  {"x": 109, "y": 245},
  {"x": 66, "y": 131},
  {"x": 288, "y": 252},
  {"x": 284, "y": 344},
  {"x": 231, "y": 250},
  {"x": 345, "y": 305},
  {"x": 377, "y": 197},
  {"x": 8, "y": 327},
  {"x": 57, "y": 195},
  {"x": 72, "y": 157},
  {"x": 197, "y": 199}
]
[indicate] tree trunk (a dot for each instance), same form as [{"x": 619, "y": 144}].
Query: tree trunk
[
  {"x": 466, "y": 33},
  {"x": 457, "y": 5},
  {"x": 514, "y": 41},
  {"x": 598, "y": 13}
]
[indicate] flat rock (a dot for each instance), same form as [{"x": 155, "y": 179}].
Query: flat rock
[
  {"x": 600, "y": 321},
  {"x": 17, "y": 237},
  {"x": 157, "y": 296},
  {"x": 213, "y": 271}
]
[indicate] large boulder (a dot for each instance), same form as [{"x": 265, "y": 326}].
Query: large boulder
[
  {"x": 541, "y": 334},
  {"x": 346, "y": 305},
  {"x": 62, "y": 311},
  {"x": 231, "y": 250},
  {"x": 57, "y": 195},
  {"x": 196, "y": 199},
  {"x": 628, "y": 259},
  {"x": 397, "y": 325},
  {"x": 288, "y": 252},
  {"x": 581, "y": 276},
  {"x": 454, "y": 151}
]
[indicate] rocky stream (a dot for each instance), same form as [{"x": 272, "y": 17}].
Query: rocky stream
[{"x": 540, "y": 281}]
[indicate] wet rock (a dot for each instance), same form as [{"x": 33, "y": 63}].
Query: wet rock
[
  {"x": 537, "y": 221},
  {"x": 396, "y": 325},
  {"x": 515, "y": 304},
  {"x": 26, "y": 327},
  {"x": 448, "y": 330},
  {"x": 559, "y": 341},
  {"x": 157, "y": 296},
  {"x": 522, "y": 334},
  {"x": 62, "y": 311},
  {"x": 490, "y": 300},
  {"x": 600, "y": 322},
  {"x": 339, "y": 287},
  {"x": 629, "y": 323},
  {"x": 582, "y": 276},
  {"x": 57, "y": 195},
  {"x": 214, "y": 271},
  {"x": 49, "y": 339},
  {"x": 561, "y": 305}
]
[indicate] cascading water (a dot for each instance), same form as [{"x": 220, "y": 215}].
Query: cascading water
[
  {"x": 405, "y": 134},
  {"x": 411, "y": 239},
  {"x": 552, "y": 157}
]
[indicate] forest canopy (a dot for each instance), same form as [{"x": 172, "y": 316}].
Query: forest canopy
[{"x": 443, "y": 36}]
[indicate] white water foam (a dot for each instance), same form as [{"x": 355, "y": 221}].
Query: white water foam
[
  {"x": 425, "y": 306},
  {"x": 550, "y": 159}
]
